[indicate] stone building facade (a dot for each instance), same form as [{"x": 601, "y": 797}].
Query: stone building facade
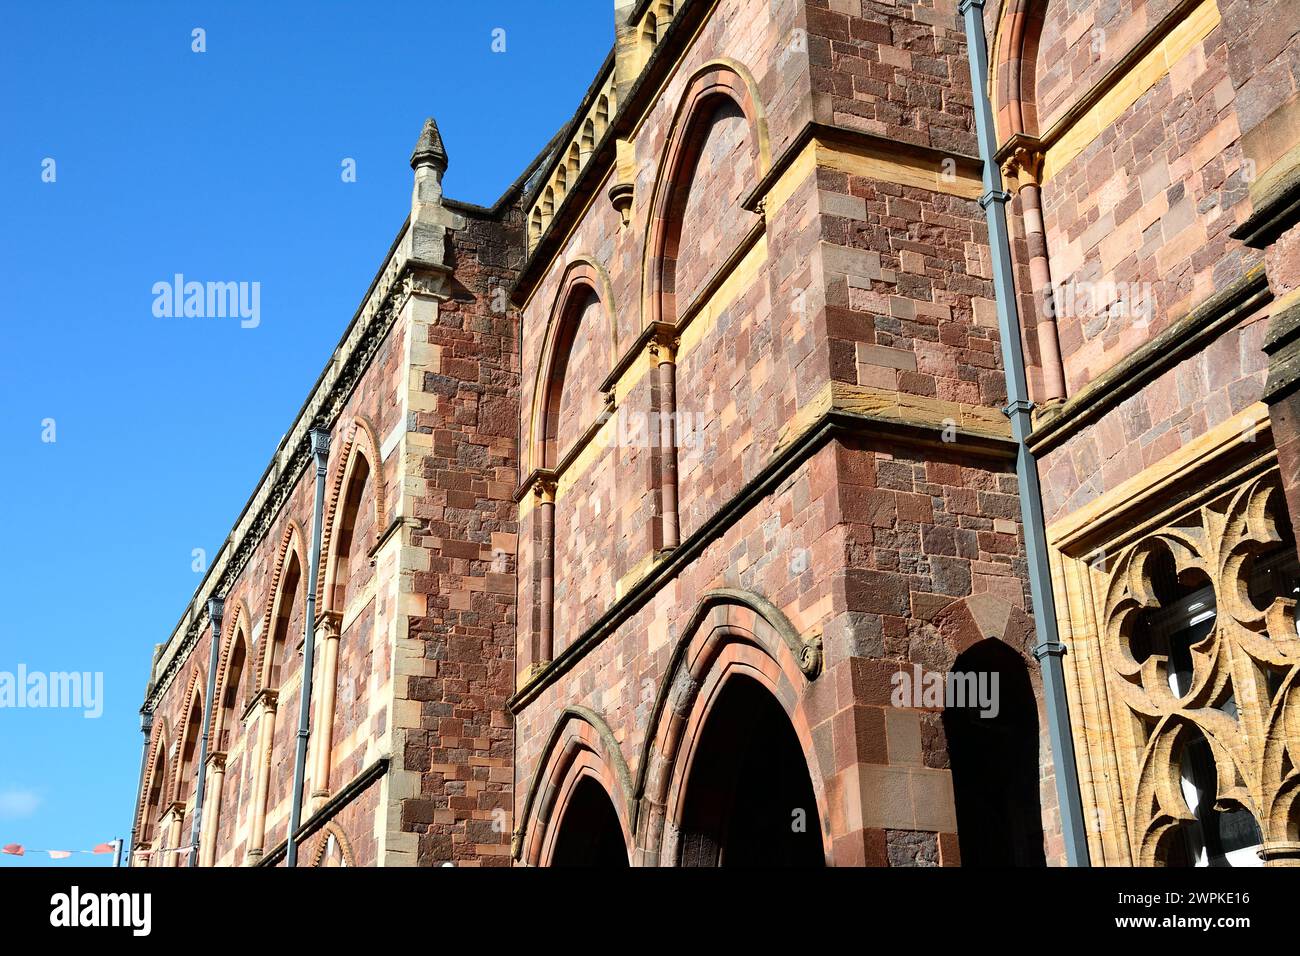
[{"x": 670, "y": 505}]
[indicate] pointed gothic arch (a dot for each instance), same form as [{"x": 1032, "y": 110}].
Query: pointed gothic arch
[
  {"x": 333, "y": 845},
  {"x": 287, "y": 576},
  {"x": 190, "y": 729},
  {"x": 153, "y": 795},
  {"x": 580, "y": 753},
  {"x": 1014, "y": 77},
  {"x": 234, "y": 669},
  {"x": 996, "y": 760},
  {"x": 360, "y": 451},
  {"x": 733, "y": 636}
]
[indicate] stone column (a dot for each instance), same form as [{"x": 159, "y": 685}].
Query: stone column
[
  {"x": 216, "y": 775},
  {"x": 175, "y": 817},
  {"x": 266, "y": 707},
  {"x": 1021, "y": 170},
  {"x": 544, "y": 493},
  {"x": 663, "y": 353},
  {"x": 327, "y": 632}
]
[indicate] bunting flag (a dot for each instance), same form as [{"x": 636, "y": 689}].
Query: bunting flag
[
  {"x": 162, "y": 850},
  {"x": 17, "y": 849}
]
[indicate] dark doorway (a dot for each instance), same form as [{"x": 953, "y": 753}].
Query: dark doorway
[
  {"x": 589, "y": 833},
  {"x": 994, "y": 761},
  {"x": 749, "y": 801}
]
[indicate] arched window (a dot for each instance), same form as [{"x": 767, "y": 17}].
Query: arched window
[
  {"x": 706, "y": 219},
  {"x": 187, "y": 775},
  {"x": 716, "y": 153},
  {"x": 561, "y": 183},
  {"x": 356, "y": 533},
  {"x": 535, "y": 226},
  {"x": 991, "y": 723},
  {"x": 282, "y": 630},
  {"x": 156, "y": 798},
  {"x": 574, "y": 162},
  {"x": 548, "y": 206},
  {"x": 234, "y": 695},
  {"x": 588, "y": 141},
  {"x": 749, "y": 798},
  {"x": 1220, "y": 835},
  {"x": 580, "y": 358},
  {"x": 664, "y": 17}
]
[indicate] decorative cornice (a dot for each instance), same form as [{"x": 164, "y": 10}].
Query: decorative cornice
[{"x": 629, "y": 108}]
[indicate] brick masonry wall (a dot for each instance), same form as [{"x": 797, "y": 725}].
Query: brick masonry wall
[
  {"x": 455, "y": 665},
  {"x": 249, "y": 599},
  {"x": 898, "y": 70}
]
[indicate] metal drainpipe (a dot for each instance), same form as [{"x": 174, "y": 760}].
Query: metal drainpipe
[
  {"x": 146, "y": 727},
  {"x": 216, "y": 607},
  {"x": 320, "y": 447},
  {"x": 1049, "y": 648}
]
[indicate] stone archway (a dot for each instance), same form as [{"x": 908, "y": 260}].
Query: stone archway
[
  {"x": 749, "y": 796},
  {"x": 589, "y": 833}
]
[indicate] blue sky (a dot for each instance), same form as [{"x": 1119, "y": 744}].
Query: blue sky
[{"x": 222, "y": 165}]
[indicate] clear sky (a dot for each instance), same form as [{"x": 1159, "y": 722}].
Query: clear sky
[{"x": 224, "y": 165}]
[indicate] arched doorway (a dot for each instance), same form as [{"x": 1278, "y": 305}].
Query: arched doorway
[
  {"x": 993, "y": 754},
  {"x": 589, "y": 833},
  {"x": 749, "y": 800}
]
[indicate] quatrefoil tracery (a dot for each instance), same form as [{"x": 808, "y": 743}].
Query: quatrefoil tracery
[{"x": 1243, "y": 670}]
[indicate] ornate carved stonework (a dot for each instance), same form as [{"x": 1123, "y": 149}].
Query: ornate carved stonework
[{"x": 1147, "y": 693}]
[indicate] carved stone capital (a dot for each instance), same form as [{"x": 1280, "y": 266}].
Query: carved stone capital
[
  {"x": 663, "y": 343},
  {"x": 329, "y": 624},
  {"x": 544, "y": 490},
  {"x": 1022, "y": 161},
  {"x": 264, "y": 700}
]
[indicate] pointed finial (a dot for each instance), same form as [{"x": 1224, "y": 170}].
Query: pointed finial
[{"x": 429, "y": 150}]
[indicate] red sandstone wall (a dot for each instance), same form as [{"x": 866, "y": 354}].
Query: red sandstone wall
[
  {"x": 375, "y": 399},
  {"x": 461, "y": 486}
]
